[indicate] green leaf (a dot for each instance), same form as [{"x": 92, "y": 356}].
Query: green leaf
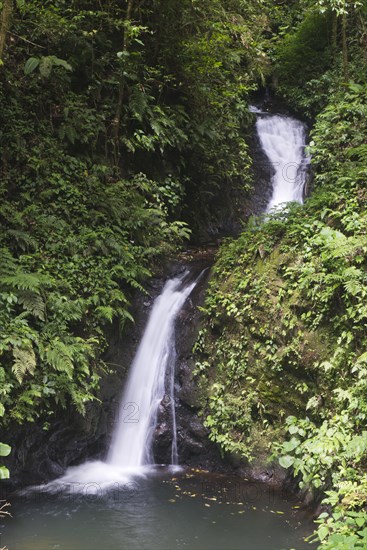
[
  {"x": 24, "y": 361},
  {"x": 4, "y": 473},
  {"x": 60, "y": 357},
  {"x": 61, "y": 63},
  {"x": 289, "y": 446},
  {"x": 286, "y": 461},
  {"x": 293, "y": 429},
  {"x": 46, "y": 66},
  {"x": 356, "y": 87},
  {"x": 5, "y": 450},
  {"x": 31, "y": 65},
  {"x": 323, "y": 532}
]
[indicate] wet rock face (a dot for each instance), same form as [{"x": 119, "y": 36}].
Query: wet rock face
[{"x": 39, "y": 455}]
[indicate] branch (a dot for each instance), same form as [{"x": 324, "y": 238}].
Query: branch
[{"x": 25, "y": 40}]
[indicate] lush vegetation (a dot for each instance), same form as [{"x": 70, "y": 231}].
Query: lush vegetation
[
  {"x": 283, "y": 347},
  {"x": 122, "y": 127},
  {"x": 121, "y": 122}
]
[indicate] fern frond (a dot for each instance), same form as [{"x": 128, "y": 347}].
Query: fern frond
[
  {"x": 7, "y": 263},
  {"x": 26, "y": 281},
  {"x": 360, "y": 153},
  {"x": 24, "y": 240},
  {"x": 24, "y": 361},
  {"x": 23, "y": 281},
  {"x": 70, "y": 310},
  {"x": 60, "y": 357},
  {"x": 33, "y": 302},
  {"x": 353, "y": 287},
  {"x": 105, "y": 312}
]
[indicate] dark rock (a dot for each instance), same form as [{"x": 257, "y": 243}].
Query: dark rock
[{"x": 188, "y": 393}]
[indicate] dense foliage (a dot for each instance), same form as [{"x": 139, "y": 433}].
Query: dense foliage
[
  {"x": 118, "y": 120},
  {"x": 123, "y": 126},
  {"x": 283, "y": 347}
]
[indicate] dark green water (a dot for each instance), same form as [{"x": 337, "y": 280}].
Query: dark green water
[{"x": 190, "y": 510}]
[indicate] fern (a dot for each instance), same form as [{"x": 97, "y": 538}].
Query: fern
[
  {"x": 24, "y": 362},
  {"x": 8, "y": 264},
  {"x": 353, "y": 287},
  {"x": 25, "y": 281},
  {"x": 79, "y": 399},
  {"x": 360, "y": 153},
  {"x": 68, "y": 310},
  {"x": 34, "y": 303},
  {"x": 23, "y": 239},
  {"x": 60, "y": 357},
  {"x": 105, "y": 312}
]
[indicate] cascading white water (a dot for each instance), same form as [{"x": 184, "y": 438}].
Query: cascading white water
[
  {"x": 130, "y": 452},
  {"x": 145, "y": 388},
  {"x": 283, "y": 140}
]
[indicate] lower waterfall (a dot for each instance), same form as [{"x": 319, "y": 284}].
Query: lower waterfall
[
  {"x": 130, "y": 451},
  {"x": 145, "y": 388}
]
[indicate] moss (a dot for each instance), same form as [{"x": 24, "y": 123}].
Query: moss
[{"x": 257, "y": 347}]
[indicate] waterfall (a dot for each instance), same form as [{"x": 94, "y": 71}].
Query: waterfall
[
  {"x": 130, "y": 452},
  {"x": 132, "y": 441},
  {"x": 283, "y": 140}
]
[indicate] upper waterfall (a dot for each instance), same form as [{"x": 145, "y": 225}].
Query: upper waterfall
[{"x": 283, "y": 140}]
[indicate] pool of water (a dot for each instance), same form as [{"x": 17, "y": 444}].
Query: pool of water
[{"x": 187, "y": 510}]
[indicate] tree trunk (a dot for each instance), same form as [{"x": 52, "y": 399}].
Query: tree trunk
[
  {"x": 5, "y": 17},
  {"x": 345, "y": 47},
  {"x": 121, "y": 92},
  {"x": 363, "y": 32},
  {"x": 334, "y": 35}
]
